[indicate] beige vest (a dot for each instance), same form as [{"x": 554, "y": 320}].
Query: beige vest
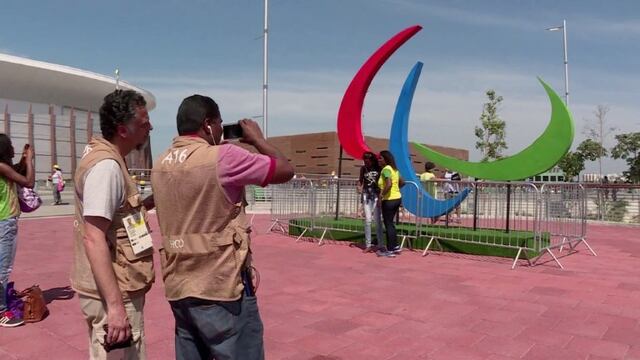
[
  {"x": 134, "y": 273},
  {"x": 205, "y": 238}
]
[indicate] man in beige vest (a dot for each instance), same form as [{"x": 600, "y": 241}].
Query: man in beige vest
[
  {"x": 206, "y": 256},
  {"x": 109, "y": 273}
]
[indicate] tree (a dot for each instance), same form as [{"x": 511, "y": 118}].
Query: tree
[
  {"x": 591, "y": 150},
  {"x": 628, "y": 148},
  {"x": 573, "y": 162},
  {"x": 598, "y": 131},
  {"x": 571, "y": 165},
  {"x": 492, "y": 132}
]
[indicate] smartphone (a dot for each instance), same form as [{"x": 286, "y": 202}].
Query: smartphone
[{"x": 232, "y": 131}]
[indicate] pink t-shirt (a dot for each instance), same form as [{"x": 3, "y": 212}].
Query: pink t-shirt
[{"x": 238, "y": 167}]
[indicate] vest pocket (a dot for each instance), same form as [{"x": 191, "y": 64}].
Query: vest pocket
[{"x": 134, "y": 272}]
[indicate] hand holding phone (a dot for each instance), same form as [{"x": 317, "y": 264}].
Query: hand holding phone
[
  {"x": 27, "y": 151},
  {"x": 251, "y": 133},
  {"x": 232, "y": 131},
  {"x": 118, "y": 345}
]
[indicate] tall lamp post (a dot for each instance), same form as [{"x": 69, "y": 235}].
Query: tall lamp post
[
  {"x": 566, "y": 62},
  {"x": 265, "y": 83}
]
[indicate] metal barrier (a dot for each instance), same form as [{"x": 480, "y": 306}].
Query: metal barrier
[
  {"x": 328, "y": 204},
  {"x": 502, "y": 215},
  {"x": 292, "y": 200},
  {"x": 515, "y": 219},
  {"x": 564, "y": 217},
  {"x": 409, "y": 224},
  {"x": 336, "y": 199},
  {"x": 617, "y": 202}
]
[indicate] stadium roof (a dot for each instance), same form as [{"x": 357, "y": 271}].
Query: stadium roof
[{"x": 46, "y": 83}]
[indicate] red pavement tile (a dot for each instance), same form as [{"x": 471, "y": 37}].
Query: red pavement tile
[
  {"x": 333, "y": 326},
  {"x": 543, "y": 335},
  {"x": 28, "y": 347},
  {"x": 545, "y": 352},
  {"x": 582, "y": 328},
  {"x": 500, "y": 357},
  {"x": 6, "y": 355},
  {"x": 458, "y": 353},
  {"x": 623, "y": 335},
  {"x": 504, "y": 346},
  {"x": 633, "y": 353},
  {"x": 365, "y": 351},
  {"x": 378, "y": 320},
  {"x": 161, "y": 350},
  {"x": 287, "y": 333},
  {"x": 595, "y": 357},
  {"x": 333, "y": 302},
  {"x": 589, "y": 346},
  {"x": 508, "y": 330},
  {"x": 458, "y": 337},
  {"x": 57, "y": 352},
  {"x": 322, "y": 344}
]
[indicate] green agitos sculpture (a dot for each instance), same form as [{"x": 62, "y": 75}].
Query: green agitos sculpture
[{"x": 539, "y": 157}]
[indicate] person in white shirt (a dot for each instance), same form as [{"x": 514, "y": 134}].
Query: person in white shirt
[
  {"x": 56, "y": 180},
  {"x": 452, "y": 189}
]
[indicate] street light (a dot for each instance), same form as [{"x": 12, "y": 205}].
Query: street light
[
  {"x": 265, "y": 72},
  {"x": 566, "y": 62},
  {"x": 117, "y": 72}
]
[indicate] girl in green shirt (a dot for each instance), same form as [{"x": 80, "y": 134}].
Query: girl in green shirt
[{"x": 9, "y": 212}]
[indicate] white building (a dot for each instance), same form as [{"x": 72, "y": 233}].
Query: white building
[{"x": 55, "y": 108}]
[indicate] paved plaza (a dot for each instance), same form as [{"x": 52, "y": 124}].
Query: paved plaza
[{"x": 334, "y": 302}]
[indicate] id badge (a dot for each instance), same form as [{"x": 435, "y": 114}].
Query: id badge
[{"x": 137, "y": 232}]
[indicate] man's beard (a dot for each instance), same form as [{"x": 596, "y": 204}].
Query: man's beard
[{"x": 142, "y": 144}]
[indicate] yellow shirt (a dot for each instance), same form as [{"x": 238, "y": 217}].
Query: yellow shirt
[
  {"x": 394, "y": 175},
  {"x": 426, "y": 180}
]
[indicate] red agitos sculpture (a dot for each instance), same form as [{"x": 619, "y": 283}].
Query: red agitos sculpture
[{"x": 350, "y": 112}]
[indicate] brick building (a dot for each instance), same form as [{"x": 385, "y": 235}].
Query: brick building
[{"x": 319, "y": 153}]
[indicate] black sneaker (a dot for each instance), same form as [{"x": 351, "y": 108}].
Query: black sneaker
[
  {"x": 9, "y": 320},
  {"x": 385, "y": 253},
  {"x": 396, "y": 250}
]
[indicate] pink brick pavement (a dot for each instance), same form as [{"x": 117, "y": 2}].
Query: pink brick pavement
[{"x": 333, "y": 302}]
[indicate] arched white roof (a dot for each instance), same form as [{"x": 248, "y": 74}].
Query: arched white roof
[{"x": 46, "y": 83}]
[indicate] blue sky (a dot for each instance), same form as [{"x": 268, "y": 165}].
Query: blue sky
[{"x": 177, "y": 48}]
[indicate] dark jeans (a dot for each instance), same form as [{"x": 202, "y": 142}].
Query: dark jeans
[
  {"x": 221, "y": 330},
  {"x": 389, "y": 210}
]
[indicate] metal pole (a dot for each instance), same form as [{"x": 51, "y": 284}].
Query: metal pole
[
  {"x": 265, "y": 71},
  {"x": 508, "y": 206},
  {"x": 338, "y": 185},
  {"x": 475, "y": 205},
  {"x": 566, "y": 62}
]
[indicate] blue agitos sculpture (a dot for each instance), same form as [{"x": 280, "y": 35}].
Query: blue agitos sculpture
[{"x": 427, "y": 206}]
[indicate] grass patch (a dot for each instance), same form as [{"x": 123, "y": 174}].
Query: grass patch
[{"x": 487, "y": 242}]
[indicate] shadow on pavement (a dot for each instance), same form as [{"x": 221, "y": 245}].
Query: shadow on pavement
[{"x": 58, "y": 293}]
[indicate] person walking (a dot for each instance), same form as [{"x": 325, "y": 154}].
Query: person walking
[
  {"x": 199, "y": 186},
  {"x": 112, "y": 268},
  {"x": 369, "y": 196},
  {"x": 390, "y": 183},
  {"x": 452, "y": 188},
  {"x": 58, "y": 184},
  {"x": 9, "y": 213},
  {"x": 427, "y": 178}
]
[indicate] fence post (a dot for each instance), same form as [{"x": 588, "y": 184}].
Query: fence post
[
  {"x": 508, "y": 205},
  {"x": 475, "y": 205}
]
